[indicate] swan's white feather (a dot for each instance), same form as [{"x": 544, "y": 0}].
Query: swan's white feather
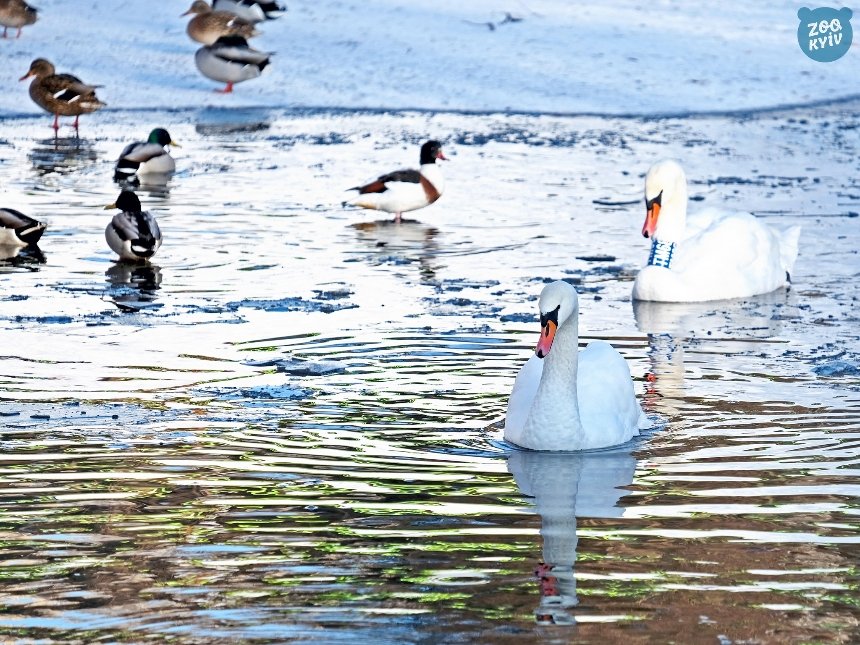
[
  {"x": 572, "y": 399},
  {"x": 719, "y": 254},
  {"x": 608, "y": 409},
  {"x": 725, "y": 255}
]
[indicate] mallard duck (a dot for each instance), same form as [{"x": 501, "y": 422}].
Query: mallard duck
[
  {"x": 16, "y": 14},
  {"x": 19, "y": 230},
  {"x": 714, "y": 254},
  {"x": 146, "y": 157},
  {"x": 230, "y": 60},
  {"x": 207, "y": 25},
  {"x": 404, "y": 190},
  {"x": 132, "y": 234},
  {"x": 60, "y": 94},
  {"x": 251, "y": 10}
]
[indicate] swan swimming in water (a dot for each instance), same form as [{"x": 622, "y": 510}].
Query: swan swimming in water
[
  {"x": 566, "y": 399},
  {"x": 713, "y": 254}
]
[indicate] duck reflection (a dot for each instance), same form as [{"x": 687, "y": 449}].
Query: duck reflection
[
  {"x": 405, "y": 242},
  {"x": 217, "y": 121},
  {"x": 21, "y": 257},
  {"x": 133, "y": 286},
  {"x": 152, "y": 184},
  {"x": 564, "y": 487},
  {"x": 61, "y": 155},
  {"x": 671, "y": 327}
]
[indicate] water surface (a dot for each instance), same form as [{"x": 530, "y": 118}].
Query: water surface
[{"x": 286, "y": 427}]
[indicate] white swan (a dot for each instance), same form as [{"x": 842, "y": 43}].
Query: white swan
[
  {"x": 711, "y": 255},
  {"x": 571, "y": 400}
]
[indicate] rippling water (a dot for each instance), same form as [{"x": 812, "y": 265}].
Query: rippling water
[{"x": 287, "y": 427}]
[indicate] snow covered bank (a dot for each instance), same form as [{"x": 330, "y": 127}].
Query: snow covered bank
[{"x": 622, "y": 57}]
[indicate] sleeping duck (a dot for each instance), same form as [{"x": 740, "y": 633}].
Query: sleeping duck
[
  {"x": 146, "y": 157},
  {"x": 16, "y": 14},
  {"x": 19, "y": 230},
  {"x": 251, "y": 10},
  {"x": 132, "y": 234},
  {"x": 60, "y": 94},
  {"x": 207, "y": 25},
  {"x": 230, "y": 60}
]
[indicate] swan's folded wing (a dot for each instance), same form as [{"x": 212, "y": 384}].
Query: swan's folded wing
[
  {"x": 608, "y": 407},
  {"x": 729, "y": 242}
]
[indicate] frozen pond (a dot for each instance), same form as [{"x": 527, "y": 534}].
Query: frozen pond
[{"x": 286, "y": 427}]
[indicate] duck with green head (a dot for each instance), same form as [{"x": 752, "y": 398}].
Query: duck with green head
[{"x": 149, "y": 157}]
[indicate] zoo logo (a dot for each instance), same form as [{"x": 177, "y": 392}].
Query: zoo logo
[{"x": 824, "y": 34}]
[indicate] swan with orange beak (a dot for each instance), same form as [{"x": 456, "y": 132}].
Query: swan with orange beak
[
  {"x": 566, "y": 399},
  {"x": 713, "y": 254}
]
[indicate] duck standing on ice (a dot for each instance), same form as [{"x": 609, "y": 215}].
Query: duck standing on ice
[
  {"x": 60, "y": 94},
  {"x": 713, "y": 254},
  {"x": 16, "y": 14},
  {"x": 404, "y": 190},
  {"x": 230, "y": 60},
  {"x": 207, "y": 25},
  {"x": 251, "y": 10}
]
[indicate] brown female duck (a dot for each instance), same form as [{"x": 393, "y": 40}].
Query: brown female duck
[
  {"x": 60, "y": 94},
  {"x": 207, "y": 25},
  {"x": 16, "y": 14}
]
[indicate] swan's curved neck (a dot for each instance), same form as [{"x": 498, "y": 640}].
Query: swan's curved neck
[
  {"x": 555, "y": 410},
  {"x": 672, "y": 222}
]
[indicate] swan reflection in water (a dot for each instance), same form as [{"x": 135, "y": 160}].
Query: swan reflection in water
[
  {"x": 673, "y": 327},
  {"x": 401, "y": 243},
  {"x": 133, "y": 286},
  {"x": 564, "y": 487}
]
